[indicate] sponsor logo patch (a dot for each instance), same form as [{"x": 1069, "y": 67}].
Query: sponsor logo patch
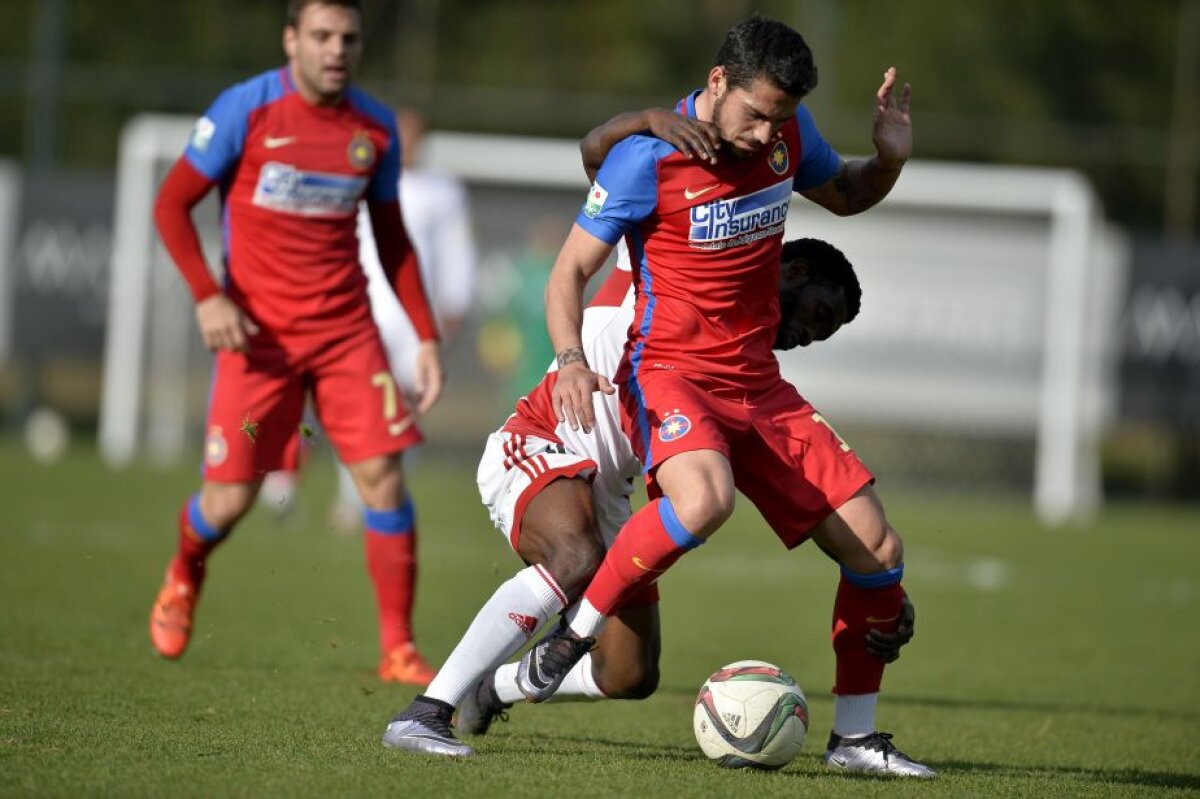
[
  {"x": 735, "y": 221},
  {"x": 595, "y": 200},
  {"x": 674, "y": 427},
  {"x": 202, "y": 133},
  {"x": 282, "y": 187}
]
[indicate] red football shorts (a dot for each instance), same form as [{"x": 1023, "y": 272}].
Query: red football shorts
[
  {"x": 786, "y": 458},
  {"x": 257, "y": 401}
]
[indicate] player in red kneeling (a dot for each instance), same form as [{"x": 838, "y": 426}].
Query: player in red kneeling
[{"x": 293, "y": 152}]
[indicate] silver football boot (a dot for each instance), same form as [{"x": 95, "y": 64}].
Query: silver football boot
[
  {"x": 545, "y": 666},
  {"x": 873, "y": 754},
  {"x": 425, "y": 727}
]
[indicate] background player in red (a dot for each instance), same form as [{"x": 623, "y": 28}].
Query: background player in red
[
  {"x": 293, "y": 151},
  {"x": 702, "y": 398}
]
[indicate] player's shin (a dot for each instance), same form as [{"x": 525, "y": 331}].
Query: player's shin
[
  {"x": 515, "y": 611},
  {"x": 390, "y": 542},
  {"x": 864, "y": 602},
  {"x": 197, "y": 539},
  {"x": 649, "y": 543}
]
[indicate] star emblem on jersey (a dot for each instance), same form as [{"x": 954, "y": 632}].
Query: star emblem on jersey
[
  {"x": 361, "y": 152},
  {"x": 673, "y": 427},
  {"x": 778, "y": 159}
]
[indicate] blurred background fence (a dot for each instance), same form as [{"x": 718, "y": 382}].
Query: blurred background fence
[{"x": 1107, "y": 94}]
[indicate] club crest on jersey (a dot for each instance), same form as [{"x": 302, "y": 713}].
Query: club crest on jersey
[
  {"x": 735, "y": 221},
  {"x": 361, "y": 151},
  {"x": 778, "y": 159},
  {"x": 595, "y": 200},
  {"x": 215, "y": 447},
  {"x": 674, "y": 427}
]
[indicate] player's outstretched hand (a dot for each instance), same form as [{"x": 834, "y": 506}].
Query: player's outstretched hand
[
  {"x": 892, "y": 128},
  {"x": 223, "y": 325},
  {"x": 429, "y": 375},
  {"x": 693, "y": 138},
  {"x": 886, "y": 646},
  {"x": 572, "y": 395}
]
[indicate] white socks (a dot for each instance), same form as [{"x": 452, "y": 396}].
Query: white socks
[
  {"x": 516, "y": 611},
  {"x": 584, "y": 620},
  {"x": 578, "y": 684},
  {"x": 854, "y": 714}
]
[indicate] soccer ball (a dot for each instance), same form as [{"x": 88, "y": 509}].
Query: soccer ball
[{"x": 751, "y": 714}]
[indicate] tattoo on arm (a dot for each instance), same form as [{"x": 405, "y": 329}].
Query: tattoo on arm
[{"x": 571, "y": 355}]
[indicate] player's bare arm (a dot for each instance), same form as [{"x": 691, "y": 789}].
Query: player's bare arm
[
  {"x": 581, "y": 256},
  {"x": 691, "y": 137},
  {"x": 862, "y": 183}
]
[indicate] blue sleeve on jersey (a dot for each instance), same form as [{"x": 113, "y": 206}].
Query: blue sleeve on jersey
[
  {"x": 385, "y": 183},
  {"x": 219, "y": 136},
  {"x": 628, "y": 188},
  {"x": 818, "y": 161}
]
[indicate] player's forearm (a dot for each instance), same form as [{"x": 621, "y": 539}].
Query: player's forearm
[
  {"x": 564, "y": 313},
  {"x": 864, "y": 182},
  {"x": 182, "y": 189},
  {"x": 600, "y": 140}
]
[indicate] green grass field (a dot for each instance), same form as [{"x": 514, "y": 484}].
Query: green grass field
[{"x": 1046, "y": 663}]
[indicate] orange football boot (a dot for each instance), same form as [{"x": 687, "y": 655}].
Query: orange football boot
[
  {"x": 171, "y": 616},
  {"x": 404, "y": 664}
]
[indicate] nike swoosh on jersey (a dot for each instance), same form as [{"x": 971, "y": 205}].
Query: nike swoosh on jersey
[
  {"x": 691, "y": 195},
  {"x": 641, "y": 565},
  {"x": 873, "y": 620},
  {"x": 271, "y": 142}
]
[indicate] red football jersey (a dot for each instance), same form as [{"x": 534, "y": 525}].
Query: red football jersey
[
  {"x": 291, "y": 176},
  {"x": 705, "y": 244}
]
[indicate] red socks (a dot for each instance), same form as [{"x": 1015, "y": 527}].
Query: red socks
[
  {"x": 647, "y": 545},
  {"x": 391, "y": 543},
  {"x": 197, "y": 538},
  {"x": 864, "y": 602}
]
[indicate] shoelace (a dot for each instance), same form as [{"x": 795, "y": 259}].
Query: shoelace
[
  {"x": 562, "y": 653},
  {"x": 882, "y": 742}
]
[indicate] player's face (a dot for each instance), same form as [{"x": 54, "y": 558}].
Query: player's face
[
  {"x": 323, "y": 51},
  {"x": 749, "y": 118},
  {"x": 808, "y": 311}
]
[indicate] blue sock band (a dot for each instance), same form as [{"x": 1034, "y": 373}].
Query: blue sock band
[
  {"x": 392, "y": 522},
  {"x": 878, "y": 580},
  {"x": 679, "y": 534},
  {"x": 200, "y": 524}
]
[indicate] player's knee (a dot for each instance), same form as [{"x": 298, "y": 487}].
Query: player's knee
[
  {"x": 380, "y": 482},
  {"x": 704, "y": 509},
  {"x": 223, "y": 504},
  {"x": 884, "y": 551},
  {"x": 631, "y": 681},
  {"x": 574, "y": 562}
]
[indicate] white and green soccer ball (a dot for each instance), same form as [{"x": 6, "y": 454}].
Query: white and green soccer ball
[{"x": 751, "y": 714}]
